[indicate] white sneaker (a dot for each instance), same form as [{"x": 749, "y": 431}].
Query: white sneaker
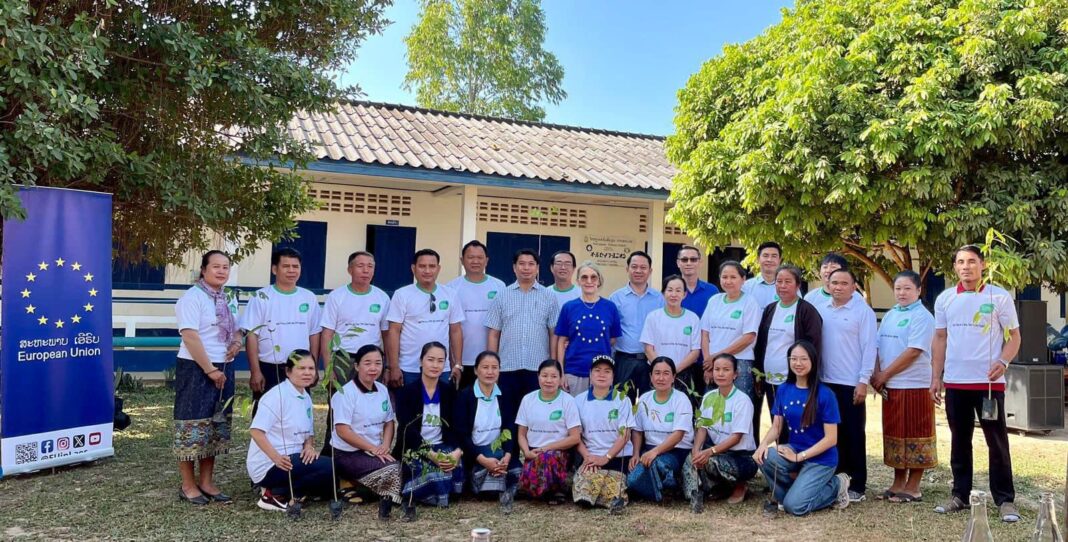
[
  {"x": 856, "y": 497},
  {"x": 842, "y": 501},
  {"x": 271, "y": 503}
]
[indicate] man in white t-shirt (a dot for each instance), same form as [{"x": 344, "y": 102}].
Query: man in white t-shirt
[
  {"x": 762, "y": 286},
  {"x": 969, "y": 356},
  {"x": 564, "y": 289},
  {"x": 421, "y": 313},
  {"x": 279, "y": 319},
  {"x": 476, "y": 291},
  {"x": 356, "y": 312}
]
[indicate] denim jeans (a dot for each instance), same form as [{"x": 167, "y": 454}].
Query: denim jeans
[{"x": 815, "y": 487}]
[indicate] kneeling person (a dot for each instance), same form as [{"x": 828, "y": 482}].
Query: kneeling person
[{"x": 607, "y": 418}]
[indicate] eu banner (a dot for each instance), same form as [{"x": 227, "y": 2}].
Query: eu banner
[{"x": 56, "y": 395}]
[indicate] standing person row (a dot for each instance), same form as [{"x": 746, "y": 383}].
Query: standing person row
[
  {"x": 762, "y": 285},
  {"x": 634, "y": 301},
  {"x": 675, "y": 332},
  {"x": 356, "y": 313},
  {"x": 563, "y": 269},
  {"x": 830, "y": 263},
  {"x": 587, "y": 327},
  {"x": 729, "y": 326},
  {"x": 476, "y": 291}
]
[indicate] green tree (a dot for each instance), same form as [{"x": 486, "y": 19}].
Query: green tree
[
  {"x": 483, "y": 57},
  {"x": 152, "y": 101},
  {"x": 893, "y": 131}
]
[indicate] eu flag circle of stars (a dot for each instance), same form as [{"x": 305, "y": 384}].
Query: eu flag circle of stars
[
  {"x": 799, "y": 429},
  {"x": 44, "y": 269},
  {"x": 591, "y": 340}
]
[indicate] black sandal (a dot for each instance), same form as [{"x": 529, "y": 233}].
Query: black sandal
[
  {"x": 905, "y": 498},
  {"x": 199, "y": 500},
  {"x": 220, "y": 497}
]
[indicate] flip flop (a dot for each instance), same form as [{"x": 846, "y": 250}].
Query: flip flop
[
  {"x": 905, "y": 498},
  {"x": 885, "y": 495}
]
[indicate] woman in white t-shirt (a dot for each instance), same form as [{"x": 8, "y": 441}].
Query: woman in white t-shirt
[
  {"x": 904, "y": 371},
  {"x": 722, "y": 459},
  {"x": 548, "y": 429},
  {"x": 729, "y": 326},
  {"x": 282, "y": 457},
  {"x": 605, "y": 449},
  {"x": 663, "y": 435},
  {"x": 204, "y": 378},
  {"x": 364, "y": 426},
  {"x": 675, "y": 333}
]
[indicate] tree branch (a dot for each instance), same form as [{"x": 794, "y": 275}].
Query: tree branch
[{"x": 875, "y": 267}]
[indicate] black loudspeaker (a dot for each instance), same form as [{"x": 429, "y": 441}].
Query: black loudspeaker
[
  {"x": 1034, "y": 397},
  {"x": 1033, "y": 350}
]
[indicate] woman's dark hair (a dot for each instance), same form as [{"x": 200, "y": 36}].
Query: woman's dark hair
[
  {"x": 207, "y": 256},
  {"x": 663, "y": 359},
  {"x": 553, "y": 364},
  {"x": 808, "y": 417},
  {"x": 793, "y": 270},
  {"x": 484, "y": 355},
  {"x": 735, "y": 265},
  {"x": 295, "y": 357},
  {"x": 969, "y": 248},
  {"x": 363, "y": 351},
  {"x": 912, "y": 276},
  {"x": 726, "y": 356},
  {"x": 428, "y": 346},
  {"x": 667, "y": 280}
]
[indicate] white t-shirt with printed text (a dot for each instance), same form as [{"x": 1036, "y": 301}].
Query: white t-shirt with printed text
[
  {"x": 476, "y": 298},
  {"x": 657, "y": 421},
  {"x": 547, "y": 421},
  {"x": 780, "y": 337},
  {"x": 366, "y": 413},
  {"x": 726, "y": 321},
  {"x": 737, "y": 418},
  {"x": 290, "y": 318},
  {"x": 410, "y": 307},
  {"x": 672, "y": 336},
  {"x": 907, "y": 327},
  {"x": 283, "y": 407},
  {"x": 347, "y": 311},
  {"x": 971, "y": 349},
  {"x": 602, "y": 420}
]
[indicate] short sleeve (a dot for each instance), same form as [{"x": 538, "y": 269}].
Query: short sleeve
[
  {"x": 266, "y": 413},
  {"x": 563, "y": 322},
  {"x": 571, "y": 415},
  {"x": 316, "y": 316},
  {"x": 187, "y": 312},
  {"x": 940, "y": 312},
  {"x": 328, "y": 320},
  {"x": 626, "y": 414},
  {"x": 776, "y": 409},
  {"x": 391, "y": 414},
  {"x": 829, "y": 406},
  {"x": 742, "y": 416},
  {"x": 695, "y": 334},
  {"x": 617, "y": 325},
  {"x": 494, "y": 314},
  {"x": 639, "y": 418},
  {"x": 522, "y": 415},
  {"x": 456, "y": 310},
  {"x": 751, "y": 316},
  {"x": 921, "y": 332},
  {"x": 396, "y": 307},
  {"x": 253, "y": 315},
  {"x": 1007, "y": 316},
  {"x": 554, "y": 310},
  {"x": 341, "y": 408},
  {"x": 384, "y": 325},
  {"x": 683, "y": 416},
  {"x": 647, "y": 336}
]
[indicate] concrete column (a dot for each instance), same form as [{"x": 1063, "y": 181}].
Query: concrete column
[
  {"x": 469, "y": 214},
  {"x": 656, "y": 241}
]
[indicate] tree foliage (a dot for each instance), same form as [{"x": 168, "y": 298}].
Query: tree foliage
[
  {"x": 893, "y": 131},
  {"x": 483, "y": 57},
  {"x": 151, "y": 101}
]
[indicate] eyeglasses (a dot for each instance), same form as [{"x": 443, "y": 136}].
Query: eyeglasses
[
  {"x": 433, "y": 303},
  {"x": 690, "y": 260},
  {"x": 588, "y": 277}
]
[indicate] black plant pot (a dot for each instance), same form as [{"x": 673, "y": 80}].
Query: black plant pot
[{"x": 121, "y": 419}]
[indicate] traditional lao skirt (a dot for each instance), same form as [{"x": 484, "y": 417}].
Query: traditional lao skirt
[
  {"x": 426, "y": 483},
  {"x": 383, "y": 478},
  {"x": 481, "y": 481},
  {"x": 602, "y": 487},
  {"x": 546, "y": 474},
  {"x": 203, "y": 414},
  {"x": 722, "y": 472},
  {"x": 909, "y": 430}
]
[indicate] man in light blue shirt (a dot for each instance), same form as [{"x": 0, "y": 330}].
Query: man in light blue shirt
[
  {"x": 635, "y": 301},
  {"x": 762, "y": 286}
]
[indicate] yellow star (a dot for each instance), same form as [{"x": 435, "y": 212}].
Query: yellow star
[
  {"x": 88, "y": 277},
  {"x": 60, "y": 262},
  {"x": 25, "y": 293},
  {"x": 75, "y": 319},
  {"x": 30, "y": 309},
  {"x": 42, "y": 320},
  {"x": 30, "y": 277},
  {"x": 76, "y": 266},
  {"x": 88, "y": 307},
  {"x": 92, "y": 292},
  {"x": 42, "y": 266},
  {"x": 59, "y": 323}
]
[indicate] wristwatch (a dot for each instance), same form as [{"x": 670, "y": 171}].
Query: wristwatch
[
  {"x": 1003, "y": 363},
  {"x": 608, "y": 456}
]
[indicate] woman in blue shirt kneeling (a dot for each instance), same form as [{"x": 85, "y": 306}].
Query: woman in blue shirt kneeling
[{"x": 809, "y": 414}]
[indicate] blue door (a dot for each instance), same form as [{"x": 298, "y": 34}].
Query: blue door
[
  {"x": 503, "y": 246},
  {"x": 393, "y": 247},
  {"x": 310, "y": 241}
]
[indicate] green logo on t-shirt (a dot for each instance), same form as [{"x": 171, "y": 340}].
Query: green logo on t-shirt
[
  {"x": 556, "y": 415},
  {"x": 233, "y": 309},
  {"x": 491, "y": 294},
  {"x": 736, "y": 315},
  {"x": 443, "y": 305},
  {"x": 309, "y": 413},
  {"x": 727, "y": 416},
  {"x": 903, "y": 323},
  {"x": 375, "y": 308},
  {"x": 613, "y": 414},
  {"x": 304, "y": 307},
  {"x": 789, "y": 319},
  {"x": 986, "y": 308},
  {"x": 385, "y": 405},
  {"x": 687, "y": 330},
  {"x": 669, "y": 418}
]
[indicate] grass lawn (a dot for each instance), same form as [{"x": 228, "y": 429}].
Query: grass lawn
[{"x": 133, "y": 496}]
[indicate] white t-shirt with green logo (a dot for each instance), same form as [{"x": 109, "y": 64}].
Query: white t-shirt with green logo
[
  {"x": 410, "y": 307},
  {"x": 476, "y": 298},
  {"x": 659, "y": 420},
  {"x": 602, "y": 420},
  {"x": 672, "y": 336},
  {"x": 431, "y": 423},
  {"x": 288, "y": 318},
  {"x": 726, "y": 320},
  {"x": 737, "y": 417},
  {"x": 346, "y": 311},
  {"x": 285, "y": 416},
  {"x": 547, "y": 421},
  {"x": 195, "y": 310},
  {"x": 780, "y": 337},
  {"x": 911, "y": 326},
  {"x": 365, "y": 412},
  {"x": 971, "y": 346}
]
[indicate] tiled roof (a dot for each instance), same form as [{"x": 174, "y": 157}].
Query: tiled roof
[{"x": 398, "y": 135}]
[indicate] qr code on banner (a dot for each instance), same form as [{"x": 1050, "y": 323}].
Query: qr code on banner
[{"x": 25, "y": 453}]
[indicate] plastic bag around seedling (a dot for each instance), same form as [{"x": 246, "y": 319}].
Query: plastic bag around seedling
[
  {"x": 990, "y": 409},
  {"x": 294, "y": 510},
  {"x": 335, "y": 510}
]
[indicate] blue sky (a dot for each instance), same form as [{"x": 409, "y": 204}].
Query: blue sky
[{"x": 624, "y": 61}]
